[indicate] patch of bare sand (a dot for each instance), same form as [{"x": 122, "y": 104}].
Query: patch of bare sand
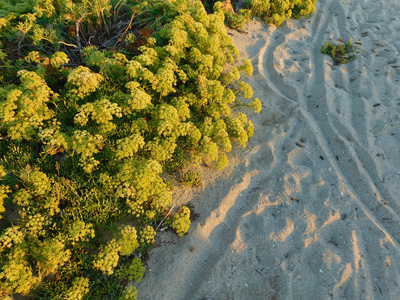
[{"x": 310, "y": 209}]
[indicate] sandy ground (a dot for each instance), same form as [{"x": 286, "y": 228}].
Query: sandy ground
[{"x": 311, "y": 208}]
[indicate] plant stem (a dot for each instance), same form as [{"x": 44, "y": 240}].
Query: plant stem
[
  {"x": 165, "y": 217},
  {"x": 77, "y": 24}
]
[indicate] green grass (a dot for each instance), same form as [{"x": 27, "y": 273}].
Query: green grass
[{"x": 191, "y": 179}]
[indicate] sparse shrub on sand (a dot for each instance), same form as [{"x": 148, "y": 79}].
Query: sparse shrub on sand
[
  {"x": 341, "y": 53},
  {"x": 191, "y": 179}
]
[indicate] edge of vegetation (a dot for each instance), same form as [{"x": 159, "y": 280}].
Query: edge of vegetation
[{"x": 273, "y": 12}]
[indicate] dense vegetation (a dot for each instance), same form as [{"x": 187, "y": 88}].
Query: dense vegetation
[
  {"x": 276, "y": 11},
  {"x": 270, "y": 11},
  {"x": 98, "y": 100}
]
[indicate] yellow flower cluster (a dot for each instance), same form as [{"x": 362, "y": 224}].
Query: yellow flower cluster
[
  {"x": 82, "y": 81},
  {"x": 129, "y": 293},
  {"x": 35, "y": 225},
  {"x": 11, "y": 236},
  {"x": 147, "y": 235},
  {"x": 127, "y": 240},
  {"x": 133, "y": 271},
  {"x": 79, "y": 288},
  {"x": 79, "y": 231},
  {"x": 181, "y": 221},
  {"x": 107, "y": 259}
]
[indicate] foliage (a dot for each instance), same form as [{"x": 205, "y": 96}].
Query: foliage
[
  {"x": 129, "y": 293},
  {"x": 232, "y": 19},
  {"x": 276, "y": 11},
  {"x": 237, "y": 20},
  {"x": 191, "y": 179},
  {"x": 128, "y": 240},
  {"x": 341, "y": 53},
  {"x": 107, "y": 259},
  {"x": 91, "y": 117},
  {"x": 132, "y": 271},
  {"x": 181, "y": 221},
  {"x": 79, "y": 288}
]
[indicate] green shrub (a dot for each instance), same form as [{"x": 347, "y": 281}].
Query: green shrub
[
  {"x": 89, "y": 115},
  {"x": 129, "y": 293},
  {"x": 132, "y": 271},
  {"x": 237, "y": 20},
  {"x": 341, "y": 53},
  {"x": 276, "y": 11},
  {"x": 191, "y": 179},
  {"x": 181, "y": 221}
]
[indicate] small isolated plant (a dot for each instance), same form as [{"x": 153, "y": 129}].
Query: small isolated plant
[
  {"x": 191, "y": 179},
  {"x": 341, "y": 53}
]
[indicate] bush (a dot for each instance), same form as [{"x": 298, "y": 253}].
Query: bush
[
  {"x": 191, "y": 179},
  {"x": 276, "y": 11},
  {"x": 181, "y": 221},
  {"x": 341, "y": 53},
  {"x": 237, "y": 20},
  {"x": 133, "y": 271},
  {"x": 89, "y": 115}
]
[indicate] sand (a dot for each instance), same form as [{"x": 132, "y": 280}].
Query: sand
[{"x": 311, "y": 208}]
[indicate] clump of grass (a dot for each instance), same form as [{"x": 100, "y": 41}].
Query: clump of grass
[
  {"x": 191, "y": 179},
  {"x": 341, "y": 53}
]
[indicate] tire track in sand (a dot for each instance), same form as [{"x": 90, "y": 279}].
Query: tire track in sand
[
  {"x": 346, "y": 144},
  {"x": 358, "y": 173}
]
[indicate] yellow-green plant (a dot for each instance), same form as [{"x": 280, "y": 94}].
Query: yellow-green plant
[
  {"x": 91, "y": 116},
  {"x": 191, "y": 179},
  {"x": 276, "y": 11},
  {"x": 181, "y": 221},
  {"x": 78, "y": 289},
  {"x": 341, "y": 53},
  {"x": 4, "y": 191},
  {"x": 24, "y": 108},
  {"x": 17, "y": 276},
  {"x": 127, "y": 240},
  {"x": 107, "y": 259},
  {"x": 129, "y": 293},
  {"x": 147, "y": 235},
  {"x": 132, "y": 271}
]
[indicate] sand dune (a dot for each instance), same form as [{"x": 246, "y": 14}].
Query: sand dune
[{"x": 310, "y": 209}]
